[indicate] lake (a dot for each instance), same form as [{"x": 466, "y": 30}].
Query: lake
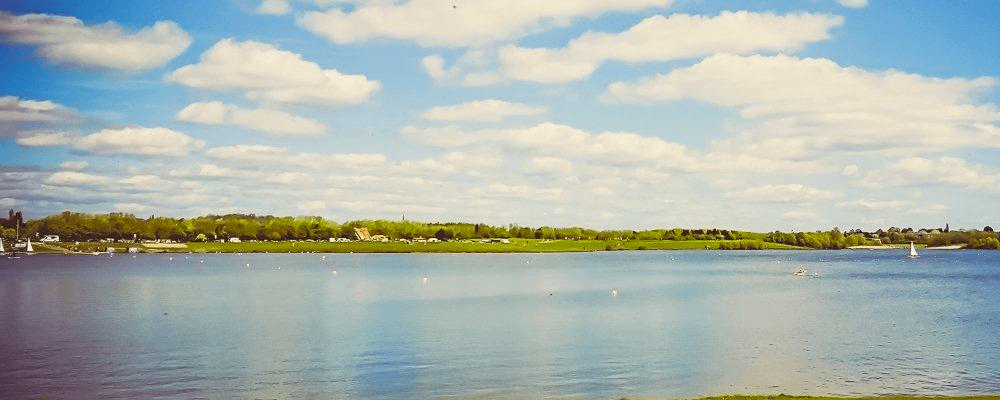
[{"x": 594, "y": 325}]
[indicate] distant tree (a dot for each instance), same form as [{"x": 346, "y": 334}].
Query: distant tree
[
  {"x": 443, "y": 234},
  {"x": 988, "y": 229}
]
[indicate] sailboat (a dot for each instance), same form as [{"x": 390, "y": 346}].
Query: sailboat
[
  {"x": 29, "y": 249},
  {"x": 2, "y": 250},
  {"x": 913, "y": 251}
]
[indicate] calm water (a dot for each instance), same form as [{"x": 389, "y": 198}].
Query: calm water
[{"x": 597, "y": 325}]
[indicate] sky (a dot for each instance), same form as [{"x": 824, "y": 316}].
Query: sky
[{"x": 607, "y": 114}]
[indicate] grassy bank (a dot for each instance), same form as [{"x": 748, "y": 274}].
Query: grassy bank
[{"x": 515, "y": 246}]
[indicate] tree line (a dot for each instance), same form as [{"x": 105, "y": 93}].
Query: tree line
[{"x": 73, "y": 226}]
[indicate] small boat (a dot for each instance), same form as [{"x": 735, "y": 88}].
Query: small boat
[
  {"x": 29, "y": 249},
  {"x": 800, "y": 272},
  {"x": 913, "y": 251}
]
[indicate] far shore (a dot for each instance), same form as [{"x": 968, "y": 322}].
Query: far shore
[
  {"x": 901, "y": 246},
  {"x": 512, "y": 246}
]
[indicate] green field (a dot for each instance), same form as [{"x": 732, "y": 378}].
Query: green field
[{"x": 515, "y": 246}]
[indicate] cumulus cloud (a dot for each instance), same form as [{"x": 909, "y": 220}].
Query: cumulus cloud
[
  {"x": 13, "y": 108},
  {"x": 24, "y": 117},
  {"x": 920, "y": 171},
  {"x": 549, "y": 165},
  {"x": 810, "y": 107},
  {"x": 314, "y": 207},
  {"x": 660, "y": 38},
  {"x": 853, "y": 3},
  {"x": 265, "y": 73},
  {"x": 471, "y": 69},
  {"x": 849, "y": 170},
  {"x": 72, "y": 178},
  {"x": 550, "y": 139},
  {"x": 264, "y": 120},
  {"x": 789, "y": 193},
  {"x": 523, "y": 192},
  {"x": 870, "y": 204},
  {"x": 146, "y": 182},
  {"x": 44, "y": 139},
  {"x": 247, "y": 153},
  {"x": 138, "y": 141},
  {"x": 73, "y": 165},
  {"x": 66, "y": 40},
  {"x": 274, "y": 7},
  {"x": 447, "y": 23},
  {"x": 490, "y": 110}
]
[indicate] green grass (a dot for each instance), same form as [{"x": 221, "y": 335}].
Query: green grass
[{"x": 515, "y": 246}]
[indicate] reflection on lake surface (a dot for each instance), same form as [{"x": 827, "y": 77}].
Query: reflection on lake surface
[{"x": 597, "y": 325}]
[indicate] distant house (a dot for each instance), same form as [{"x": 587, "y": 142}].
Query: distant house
[
  {"x": 380, "y": 238},
  {"x": 50, "y": 239},
  {"x": 234, "y": 240},
  {"x": 362, "y": 234}
]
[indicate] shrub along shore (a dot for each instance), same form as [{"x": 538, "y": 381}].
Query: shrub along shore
[
  {"x": 81, "y": 232},
  {"x": 468, "y": 246}
]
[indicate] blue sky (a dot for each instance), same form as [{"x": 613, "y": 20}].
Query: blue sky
[{"x": 755, "y": 115}]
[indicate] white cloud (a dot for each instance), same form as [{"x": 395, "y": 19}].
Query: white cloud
[
  {"x": 869, "y": 204},
  {"x": 789, "y": 193},
  {"x": 490, "y": 110},
  {"x": 660, "y": 38},
  {"x": 73, "y": 165},
  {"x": 465, "y": 160},
  {"x": 288, "y": 178},
  {"x": 524, "y": 192},
  {"x": 805, "y": 108},
  {"x": 344, "y": 160},
  {"x": 66, "y": 40},
  {"x": 563, "y": 141},
  {"x": 919, "y": 171},
  {"x": 146, "y": 182},
  {"x": 315, "y": 207},
  {"x": 550, "y": 165},
  {"x": 264, "y": 120},
  {"x": 138, "y": 141},
  {"x": 245, "y": 153},
  {"x": 801, "y": 215},
  {"x": 23, "y": 117},
  {"x": 853, "y": 3},
  {"x": 274, "y": 7},
  {"x": 13, "y": 109},
  {"x": 71, "y": 178},
  {"x": 44, "y": 139},
  {"x": 214, "y": 171},
  {"x": 850, "y": 170},
  {"x": 265, "y": 73},
  {"x": 457, "y": 24},
  {"x": 130, "y": 207}
]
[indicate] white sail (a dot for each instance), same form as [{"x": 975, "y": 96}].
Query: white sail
[
  {"x": 913, "y": 251},
  {"x": 29, "y": 249},
  {"x": 1, "y": 246}
]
